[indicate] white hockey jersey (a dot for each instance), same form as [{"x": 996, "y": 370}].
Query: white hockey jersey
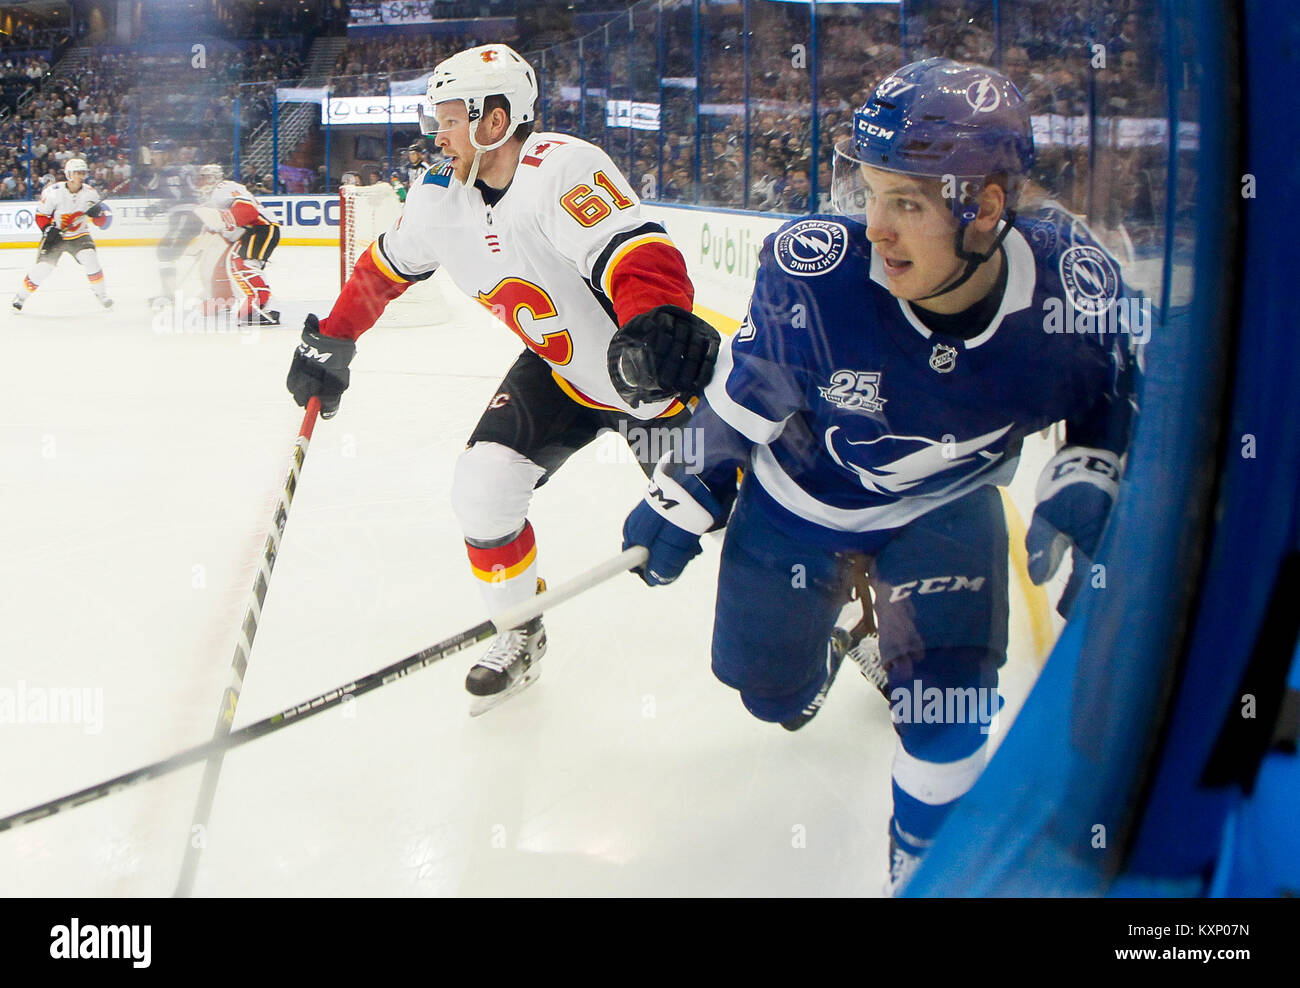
[
  {"x": 67, "y": 209},
  {"x": 228, "y": 207},
  {"x": 541, "y": 259}
]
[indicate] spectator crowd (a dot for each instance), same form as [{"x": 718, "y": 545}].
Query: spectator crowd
[{"x": 742, "y": 128}]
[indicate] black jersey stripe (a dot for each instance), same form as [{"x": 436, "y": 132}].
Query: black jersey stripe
[{"x": 389, "y": 258}]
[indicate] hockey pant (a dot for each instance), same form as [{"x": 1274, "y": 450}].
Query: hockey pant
[
  {"x": 239, "y": 277},
  {"x": 940, "y": 589},
  {"x": 83, "y": 249},
  {"x": 530, "y": 427}
]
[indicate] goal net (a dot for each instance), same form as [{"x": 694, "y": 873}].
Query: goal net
[{"x": 366, "y": 211}]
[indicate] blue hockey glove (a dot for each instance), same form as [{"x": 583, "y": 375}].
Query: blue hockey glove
[
  {"x": 1075, "y": 493},
  {"x": 671, "y": 548},
  {"x": 669, "y": 522}
]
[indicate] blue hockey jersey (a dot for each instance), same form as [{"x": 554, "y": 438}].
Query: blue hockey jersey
[{"x": 855, "y": 418}]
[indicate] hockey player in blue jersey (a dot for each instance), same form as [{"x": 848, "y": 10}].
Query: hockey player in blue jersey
[{"x": 893, "y": 359}]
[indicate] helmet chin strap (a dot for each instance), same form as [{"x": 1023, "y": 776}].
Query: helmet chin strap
[
  {"x": 972, "y": 258},
  {"x": 479, "y": 149},
  {"x": 473, "y": 169}
]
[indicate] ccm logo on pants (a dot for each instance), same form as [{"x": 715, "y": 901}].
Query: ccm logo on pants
[{"x": 935, "y": 584}]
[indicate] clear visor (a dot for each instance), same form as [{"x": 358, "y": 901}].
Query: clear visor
[
  {"x": 441, "y": 117},
  {"x": 848, "y": 186}
]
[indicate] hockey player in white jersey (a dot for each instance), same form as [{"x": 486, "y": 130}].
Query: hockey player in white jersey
[
  {"x": 62, "y": 215},
  {"x": 231, "y": 212},
  {"x": 545, "y": 232}
]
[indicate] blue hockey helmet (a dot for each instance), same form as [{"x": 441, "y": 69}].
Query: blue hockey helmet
[{"x": 940, "y": 119}]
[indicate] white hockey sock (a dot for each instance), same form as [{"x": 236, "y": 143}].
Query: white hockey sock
[
  {"x": 36, "y": 275},
  {"x": 89, "y": 260},
  {"x": 506, "y": 572}
]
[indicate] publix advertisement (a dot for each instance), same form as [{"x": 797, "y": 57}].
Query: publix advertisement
[
  {"x": 305, "y": 220},
  {"x": 721, "y": 250}
]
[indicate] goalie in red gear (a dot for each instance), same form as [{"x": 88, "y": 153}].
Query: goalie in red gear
[{"x": 231, "y": 212}]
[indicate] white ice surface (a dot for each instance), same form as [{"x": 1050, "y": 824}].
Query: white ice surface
[{"x": 138, "y": 472}]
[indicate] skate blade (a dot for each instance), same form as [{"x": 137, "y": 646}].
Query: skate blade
[{"x": 479, "y": 705}]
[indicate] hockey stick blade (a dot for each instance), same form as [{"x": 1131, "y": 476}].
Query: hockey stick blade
[{"x": 626, "y": 560}]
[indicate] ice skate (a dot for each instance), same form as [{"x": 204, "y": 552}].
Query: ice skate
[
  {"x": 866, "y": 654},
  {"x": 106, "y": 302},
  {"x": 270, "y": 317},
  {"x": 510, "y": 665},
  {"x": 835, "y": 649},
  {"x": 902, "y": 865},
  {"x": 17, "y": 304}
]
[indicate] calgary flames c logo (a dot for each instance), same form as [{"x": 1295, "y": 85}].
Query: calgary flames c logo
[{"x": 514, "y": 295}]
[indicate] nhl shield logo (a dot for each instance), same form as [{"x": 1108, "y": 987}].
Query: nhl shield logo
[{"x": 943, "y": 358}]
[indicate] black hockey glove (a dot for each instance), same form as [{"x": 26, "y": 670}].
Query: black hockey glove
[
  {"x": 320, "y": 367},
  {"x": 50, "y": 238},
  {"x": 662, "y": 353},
  {"x": 94, "y": 211}
]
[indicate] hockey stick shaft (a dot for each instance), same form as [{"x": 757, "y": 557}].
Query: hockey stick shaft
[
  {"x": 244, "y": 647},
  {"x": 626, "y": 560},
  {"x": 193, "y": 254}
]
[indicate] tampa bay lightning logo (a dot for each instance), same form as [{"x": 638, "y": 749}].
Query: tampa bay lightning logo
[
  {"x": 1090, "y": 279},
  {"x": 811, "y": 247},
  {"x": 983, "y": 95},
  {"x": 897, "y": 465}
]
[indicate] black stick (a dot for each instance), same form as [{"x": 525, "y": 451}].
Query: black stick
[{"x": 512, "y": 618}]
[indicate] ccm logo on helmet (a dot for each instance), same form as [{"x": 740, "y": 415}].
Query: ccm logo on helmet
[
  {"x": 875, "y": 130},
  {"x": 935, "y": 584}
]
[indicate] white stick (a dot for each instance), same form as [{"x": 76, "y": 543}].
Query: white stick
[{"x": 513, "y": 617}]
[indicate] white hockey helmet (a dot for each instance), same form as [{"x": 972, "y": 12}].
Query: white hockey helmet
[
  {"x": 210, "y": 175},
  {"x": 472, "y": 76},
  {"x": 75, "y": 165}
]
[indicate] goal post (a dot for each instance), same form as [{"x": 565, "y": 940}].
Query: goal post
[{"x": 366, "y": 211}]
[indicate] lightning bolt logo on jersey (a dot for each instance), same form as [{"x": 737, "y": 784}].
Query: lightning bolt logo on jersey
[{"x": 855, "y": 427}]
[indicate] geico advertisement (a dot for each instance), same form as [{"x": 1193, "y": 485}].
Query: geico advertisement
[{"x": 146, "y": 220}]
